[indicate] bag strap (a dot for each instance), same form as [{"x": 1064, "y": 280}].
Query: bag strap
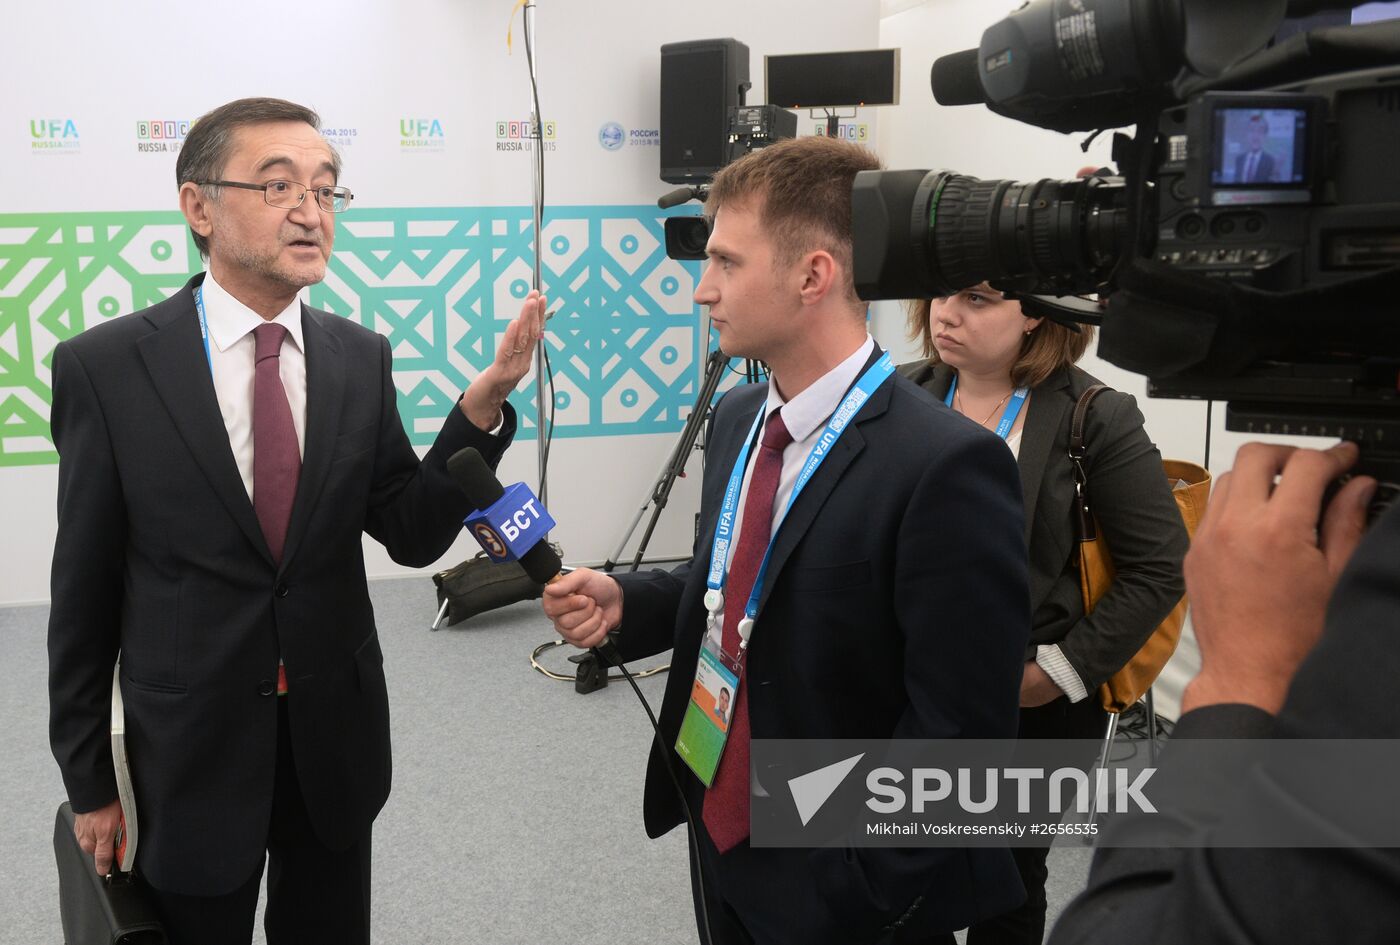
[{"x": 1085, "y": 528}]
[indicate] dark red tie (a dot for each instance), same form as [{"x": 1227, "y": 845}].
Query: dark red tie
[
  {"x": 276, "y": 457},
  {"x": 727, "y": 801}
]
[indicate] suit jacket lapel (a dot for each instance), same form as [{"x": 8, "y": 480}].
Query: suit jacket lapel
[
  {"x": 174, "y": 356},
  {"x": 819, "y": 488},
  {"x": 1043, "y": 415},
  {"x": 325, "y": 391}
]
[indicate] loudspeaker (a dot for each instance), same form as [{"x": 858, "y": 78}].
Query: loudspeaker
[{"x": 700, "y": 81}]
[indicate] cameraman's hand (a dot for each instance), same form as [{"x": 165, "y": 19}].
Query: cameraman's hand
[
  {"x": 584, "y": 606},
  {"x": 96, "y": 831},
  {"x": 1259, "y": 573}
]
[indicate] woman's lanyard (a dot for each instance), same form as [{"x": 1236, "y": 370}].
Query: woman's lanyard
[
  {"x": 203, "y": 325},
  {"x": 874, "y": 376},
  {"x": 1008, "y": 416}
]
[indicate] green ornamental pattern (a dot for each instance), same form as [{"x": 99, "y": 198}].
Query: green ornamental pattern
[{"x": 439, "y": 283}]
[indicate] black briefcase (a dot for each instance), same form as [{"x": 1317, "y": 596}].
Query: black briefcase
[{"x": 114, "y": 910}]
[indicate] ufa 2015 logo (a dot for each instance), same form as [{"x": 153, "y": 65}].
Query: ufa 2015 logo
[
  {"x": 54, "y": 135},
  {"x": 421, "y": 134}
]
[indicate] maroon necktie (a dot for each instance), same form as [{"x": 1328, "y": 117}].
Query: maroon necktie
[
  {"x": 727, "y": 801},
  {"x": 276, "y": 457}
]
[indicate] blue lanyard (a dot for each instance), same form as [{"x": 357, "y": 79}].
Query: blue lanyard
[
  {"x": 869, "y": 382},
  {"x": 1008, "y": 416},
  {"x": 203, "y": 325}
]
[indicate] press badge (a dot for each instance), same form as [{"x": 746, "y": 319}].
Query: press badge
[{"x": 705, "y": 726}]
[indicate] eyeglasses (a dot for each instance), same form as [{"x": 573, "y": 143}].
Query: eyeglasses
[{"x": 288, "y": 194}]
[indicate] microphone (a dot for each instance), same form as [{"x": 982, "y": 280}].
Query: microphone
[
  {"x": 502, "y": 518},
  {"x": 679, "y": 196},
  {"x": 483, "y": 490},
  {"x": 955, "y": 79}
]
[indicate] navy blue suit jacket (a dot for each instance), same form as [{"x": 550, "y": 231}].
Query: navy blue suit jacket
[{"x": 896, "y": 606}]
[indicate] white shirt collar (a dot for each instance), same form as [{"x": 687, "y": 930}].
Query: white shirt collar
[
  {"x": 229, "y": 319},
  {"x": 811, "y": 408}
]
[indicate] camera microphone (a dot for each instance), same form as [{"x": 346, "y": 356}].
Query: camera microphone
[
  {"x": 679, "y": 196},
  {"x": 955, "y": 80}
]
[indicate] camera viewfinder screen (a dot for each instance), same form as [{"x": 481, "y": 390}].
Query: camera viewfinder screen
[{"x": 1263, "y": 147}]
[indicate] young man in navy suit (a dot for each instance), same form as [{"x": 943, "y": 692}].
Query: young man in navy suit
[
  {"x": 894, "y": 603},
  {"x": 220, "y": 454}
]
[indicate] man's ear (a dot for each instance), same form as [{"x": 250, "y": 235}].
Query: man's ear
[
  {"x": 819, "y": 273},
  {"x": 196, "y": 206}
]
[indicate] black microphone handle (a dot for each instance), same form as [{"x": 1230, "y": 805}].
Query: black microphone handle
[{"x": 542, "y": 566}]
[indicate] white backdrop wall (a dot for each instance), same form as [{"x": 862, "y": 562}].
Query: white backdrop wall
[
  {"x": 972, "y": 140},
  {"x": 425, "y": 104}
]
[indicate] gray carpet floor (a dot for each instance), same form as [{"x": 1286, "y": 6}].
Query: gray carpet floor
[{"x": 516, "y": 810}]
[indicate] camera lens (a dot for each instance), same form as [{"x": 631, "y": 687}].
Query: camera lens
[
  {"x": 930, "y": 233},
  {"x": 686, "y": 237}
]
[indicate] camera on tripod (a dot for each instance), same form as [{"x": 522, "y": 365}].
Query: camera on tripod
[
  {"x": 1250, "y": 250},
  {"x": 750, "y": 127}
]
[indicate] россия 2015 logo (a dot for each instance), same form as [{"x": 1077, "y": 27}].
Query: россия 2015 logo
[{"x": 611, "y": 136}]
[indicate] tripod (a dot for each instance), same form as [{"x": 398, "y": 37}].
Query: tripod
[{"x": 675, "y": 465}]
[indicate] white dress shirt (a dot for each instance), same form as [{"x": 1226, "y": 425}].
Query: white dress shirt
[
  {"x": 231, "y": 349},
  {"x": 805, "y": 417}
]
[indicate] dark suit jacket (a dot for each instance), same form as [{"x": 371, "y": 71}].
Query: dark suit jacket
[
  {"x": 159, "y": 555},
  {"x": 1264, "y": 171},
  {"x": 895, "y": 607},
  {"x": 1230, "y": 896},
  {"x": 1130, "y": 496}
]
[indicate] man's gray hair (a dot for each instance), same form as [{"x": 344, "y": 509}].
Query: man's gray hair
[{"x": 210, "y": 141}]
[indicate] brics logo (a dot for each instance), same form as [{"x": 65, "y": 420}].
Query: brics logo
[
  {"x": 520, "y": 135},
  {"x": 54, "y": 135},
  {"x": 162, "y": 130},
  {"x": 421, "y": 134},
  {"x": 154, "y": 137},
  {"x": 848, "y": 132}
]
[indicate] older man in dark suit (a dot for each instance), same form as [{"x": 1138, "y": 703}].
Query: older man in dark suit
[{"x": 220, "y": 455}]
